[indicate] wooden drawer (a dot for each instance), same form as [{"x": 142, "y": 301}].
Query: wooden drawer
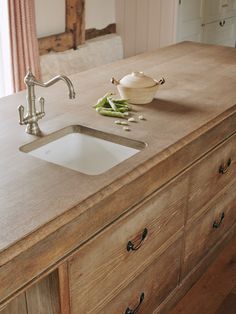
[
  {"x": 104, "y": 266},
  {"x": 151, "y": 287},
  {"x": 211, "y": 174},
  {"x": 202, "y": 235}
]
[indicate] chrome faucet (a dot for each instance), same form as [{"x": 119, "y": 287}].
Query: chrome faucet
[{"x": 32, "y": 115}]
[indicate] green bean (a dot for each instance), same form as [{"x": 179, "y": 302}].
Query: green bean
[
  {"x": 111, "y": 113},
  {"x": 101, "y": 101},
  {"x": 112, "y": 104}
]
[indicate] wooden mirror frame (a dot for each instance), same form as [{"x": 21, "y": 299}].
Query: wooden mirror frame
[{"x": 75, "y": 33}]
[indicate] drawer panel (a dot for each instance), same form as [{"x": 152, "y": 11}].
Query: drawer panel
[
  {"x": 156, "y": 282},
  {"x": 203, "y": 234},
  {"x": 211, "y": 174},
  {"x": 104, "y": 266}
]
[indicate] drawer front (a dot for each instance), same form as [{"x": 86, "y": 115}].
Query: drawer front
[
  {"x": 211, "y": 174},
  {"x": 221, "y": 32},
  {"x": 151, "y": 287},
  {"x": 106, "y": 265},
  {"x": 203, "y": 234}
]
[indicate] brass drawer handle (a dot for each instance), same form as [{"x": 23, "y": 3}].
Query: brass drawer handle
[
  {"x": 224, "y": 168},
  {"x": 131, "y": 246},
  {"x": 134, "y": 311},
  {"x": 216, "y": 224}
]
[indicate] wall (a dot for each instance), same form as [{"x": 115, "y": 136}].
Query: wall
[
  {"x": 50, "y": 17},
  {"x": 99, "y": 13}
]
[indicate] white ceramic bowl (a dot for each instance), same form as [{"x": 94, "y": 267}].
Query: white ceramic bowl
[{"x": 137, "y": 87}]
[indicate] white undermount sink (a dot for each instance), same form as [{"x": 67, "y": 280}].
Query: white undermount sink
[{"x": 83, "y": 149}]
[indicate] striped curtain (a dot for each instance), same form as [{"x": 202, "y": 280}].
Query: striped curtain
[{"x": 24, "y": 43}]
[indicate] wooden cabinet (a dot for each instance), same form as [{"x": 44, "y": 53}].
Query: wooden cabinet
[
  {"x": 152, "y": 252},
  {"x": 183, "y": 221},
  {"x": 211, "y": 174},
  {"x": 145, "y": 231},
  {"x": 155, "y": 283},
  {"x": 203, "y": 233},
  {"x": 117, "y": 255}
]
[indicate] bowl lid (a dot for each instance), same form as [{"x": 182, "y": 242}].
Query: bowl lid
[{"x": 137, "y": 80}]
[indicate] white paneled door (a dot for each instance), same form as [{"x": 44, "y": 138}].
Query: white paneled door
[{"x": 145, "y": 25}]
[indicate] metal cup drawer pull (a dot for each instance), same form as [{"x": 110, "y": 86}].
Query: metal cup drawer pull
[
  {"x": 216, "y": 224},
  {"x": 224, "y": 168},
  {"x": 131, "y": 246},
  {"x": 222, "y": 23},
  {"x": 134, "y": 311}
]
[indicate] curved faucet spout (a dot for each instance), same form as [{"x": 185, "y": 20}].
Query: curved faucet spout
[
  {"x": 56, "y": 79},
  {"x": 33, "y": 115},
  {"x": 30, "y": 80}
]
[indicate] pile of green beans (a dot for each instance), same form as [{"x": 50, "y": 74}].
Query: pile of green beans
[{"x": 111, "y": 107}]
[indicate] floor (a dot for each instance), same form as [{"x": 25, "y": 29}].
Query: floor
[{"x": 215, "y": 292}]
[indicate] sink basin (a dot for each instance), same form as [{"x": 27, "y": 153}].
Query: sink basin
[{"x": 83, "y": 149}]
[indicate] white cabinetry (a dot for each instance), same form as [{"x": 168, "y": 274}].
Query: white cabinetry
[
  {"x": 208, "y": 21},
  {"x": 215, "y": 10},
  {"x": 222, "y": 32},
  {"x": 219, "y": 22},
  {"x": 190, "y": 15}
]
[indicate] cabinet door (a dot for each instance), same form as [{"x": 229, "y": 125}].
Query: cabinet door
[
  {"x": 222, "y": 32},
  {"x": 211, "y": 174},
  {"x": 111, "y": 260},
  {"x": 212, "y": 10},
  {"x": 190, "y": 20},
  {"x": 218, "y": 9},
  {"x": 209, "y": 229},
  {"x": 151, "y": 287}
]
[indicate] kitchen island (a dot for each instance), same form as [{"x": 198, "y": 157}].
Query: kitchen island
[{"x": 64, "y": 235}]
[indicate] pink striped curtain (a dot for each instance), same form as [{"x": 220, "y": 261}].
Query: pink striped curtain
[{"x": 24, "y": 43}]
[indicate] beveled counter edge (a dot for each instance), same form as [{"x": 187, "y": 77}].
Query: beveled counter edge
[{"x": 71, "y": 213}]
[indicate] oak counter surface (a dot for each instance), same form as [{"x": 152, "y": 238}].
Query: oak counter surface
[{"x": 37, "y": 197}]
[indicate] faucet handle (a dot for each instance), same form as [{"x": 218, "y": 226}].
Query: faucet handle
[
  {"x": 41, "y": 103},
  {"x": 21, "y": 110}
]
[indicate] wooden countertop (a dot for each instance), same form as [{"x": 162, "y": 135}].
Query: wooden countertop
[{"x": 37, "y": 197}]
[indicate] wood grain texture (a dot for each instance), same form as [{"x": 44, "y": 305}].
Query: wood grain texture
[
  {"x": 56, "y": 43},
  {"x": 214, "y": 292},
  {"x": 93, "y": 32},
  {"x": 95, "y": 271},
  {"x": 156, "y": 282},
  {"x": 201, "y": 236},
  {"x": 17, "y": 306},
  {"x": 188, "y": 118},
  {"x": 43, "y": 297},
  {"x": 205, "y": 179},
  {"x": 194, "y": 276},
  {"x": 64, "y": 290},
  {"x": 64, "y": 240}
]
